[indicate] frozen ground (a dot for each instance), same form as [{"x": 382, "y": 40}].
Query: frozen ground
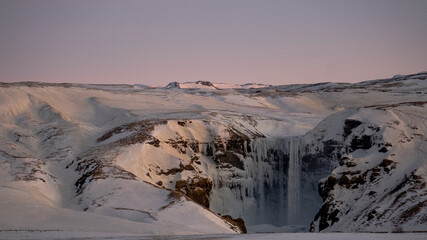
[{"x": 273, "y": 236}]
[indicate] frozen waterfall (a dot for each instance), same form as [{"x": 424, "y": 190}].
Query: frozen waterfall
[
  {"x": 267, "y": 191},
  {"x": 278, "y": 174}
]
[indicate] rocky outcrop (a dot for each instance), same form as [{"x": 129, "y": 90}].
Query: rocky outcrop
[
  {"x": 238, "y": 222},
  {"x": 374, "y": 189},
  {"x": 198, "y": 189},
  {"x": 350, "y": 124},
  {"x": 99, "y": 162},
  {"x": 135, "y": 132},
  {"x": 173, "y": 85}
]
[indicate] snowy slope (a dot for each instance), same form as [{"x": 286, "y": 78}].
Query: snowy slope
[
  {"x": 41, "y": 142},
  {"x": 169, "y": 160}
]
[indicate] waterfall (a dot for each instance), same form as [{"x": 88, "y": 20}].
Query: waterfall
[
  {"x": 268, "y": 171},
  {"x": 277, "y": 173},
  {"x": 294, "y": 178},
  {"x": 267, "y": 191}
]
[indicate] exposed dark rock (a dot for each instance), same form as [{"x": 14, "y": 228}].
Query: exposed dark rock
[
  {"x": 372, "y": 193},
  {"x": 386, "y": 162},
  {"x": 139, "y": 132},
  {"x": 92, "y": 168},
  {"x": 345, "y": 181},
  {"x": 333, "y": 216},
  {"x": 326, "y": 186},
  {"x": 322, "y": 216},
  {"x": 413, "y": 211},
  {"x": 353, "y": 172},
  {"x": 238, "y": 222},
  {"x": 30, "y": 170},
  {"x": 387, "y": 165},
  {"x": 171, "y": 171},
  {"x": 198, "y": 189},
  {"x": 344, "y": 160},
  {"x": 365, "y": 142},
  {"x": 351, "y": 164},
  {"x": 407, "y": 181},
  {"x": 323, "y": 224},
  {"x": 179, "y": 144},
  {"x": 350, "y": 124},
  {"x": 181, "y": 168},
  {"x": 383, "y": 150},
  {"x": 173, "y": 85},
  {"x": 230, "y": 158},
  {"x": 180, "y": 184},
  {"x": 374, "y": 176},
  {"x": 398, "y": 198},
  {"x": 205, "y": 83},
  {"x": 237, "y": 141},
  {"x": 195, "y": 158},
  {"x": 194, "y": 146},
  {"x": 199, "y": 196},
  {"x": 358, "y": 180},
  {"x": 155, "y": 142},
  {"x": 372, "y": 214}
]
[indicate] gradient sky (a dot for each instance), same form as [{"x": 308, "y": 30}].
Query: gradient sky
[{"x": 235, "y": 41}]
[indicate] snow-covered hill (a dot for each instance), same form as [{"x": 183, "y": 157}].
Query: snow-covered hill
[{"x": 123, "y": 158}]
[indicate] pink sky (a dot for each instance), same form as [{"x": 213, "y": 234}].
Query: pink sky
[{"x": 231, "y": 41}]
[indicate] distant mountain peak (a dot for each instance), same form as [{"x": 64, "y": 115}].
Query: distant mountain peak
[
  {"x": 192, "y": 85},
  {"x": 173, "y": 85}
]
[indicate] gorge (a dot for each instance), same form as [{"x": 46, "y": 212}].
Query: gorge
[{"x": 326, "y": 157}]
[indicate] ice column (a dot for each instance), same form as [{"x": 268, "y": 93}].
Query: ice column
[{"x": 294, "y": 178}]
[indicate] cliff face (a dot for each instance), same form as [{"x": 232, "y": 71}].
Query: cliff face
[
  {"x": 325, "y": 157},
  {"x": 369, "y": 163},
  {"x": 240, "y": 172},
  {"x": 380, "y": 183}
]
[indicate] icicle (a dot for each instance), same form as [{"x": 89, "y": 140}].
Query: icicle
[{"x": 202, "y": 147}]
